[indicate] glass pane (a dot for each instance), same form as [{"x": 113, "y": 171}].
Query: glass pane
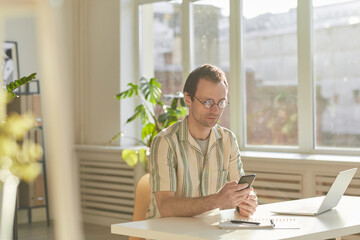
[
  {"x": 161, "y": 44},
  {"x": 337, "y": 72},
  {"x": 212, "y": 39},
  {"x": 270, "y": 44}
]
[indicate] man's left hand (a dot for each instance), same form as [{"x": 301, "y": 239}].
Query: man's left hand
[{"x": 249, "y": 205}]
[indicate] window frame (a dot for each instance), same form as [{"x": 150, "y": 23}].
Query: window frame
[{"x": 306, "y": 85}]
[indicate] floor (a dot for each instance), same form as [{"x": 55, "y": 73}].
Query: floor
[{"x": 40, "y": 231}]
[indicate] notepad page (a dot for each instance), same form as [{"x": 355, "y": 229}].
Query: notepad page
[
  {"x": 286, "y": 223},
  {"x": 227, "y": 224},
  {"x": 265, "y": 223}
]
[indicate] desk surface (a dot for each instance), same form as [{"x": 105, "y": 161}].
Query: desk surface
[{"x": 340, "y": 221}]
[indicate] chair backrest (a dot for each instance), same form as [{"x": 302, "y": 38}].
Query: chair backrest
[{"x": 142, "y": 200}]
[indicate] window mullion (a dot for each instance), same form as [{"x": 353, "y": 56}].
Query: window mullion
[
  {"x": 139, "y": 2},
  {"x": 187, "y": 38},
  {"x": 305, "y": 103},
  {"x": 237, "y": 74}
]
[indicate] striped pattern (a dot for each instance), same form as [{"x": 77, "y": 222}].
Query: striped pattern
[
  {"x": 177, "y": 164},
  {"x": 323, "y": 184},
  {"x": 277, "y": 186},
  {"x": 107, "y": 189}
]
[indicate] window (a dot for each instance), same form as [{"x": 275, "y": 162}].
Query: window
[
  {"x": 296, "y": 65},
  {"x": 211, "y": 39},
  {"x": 270, "y": 45},
  {"x": 160, "y": 38},
  {"x": 337, "y": 73}
]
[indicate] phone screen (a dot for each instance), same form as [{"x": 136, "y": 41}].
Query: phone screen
[{"x": 249, "y": 179}]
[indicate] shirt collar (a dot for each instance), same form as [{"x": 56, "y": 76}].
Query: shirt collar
[{"x": 186, "y": 136}]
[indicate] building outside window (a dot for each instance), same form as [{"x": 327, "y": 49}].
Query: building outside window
[{"x": 177, "y": 36}]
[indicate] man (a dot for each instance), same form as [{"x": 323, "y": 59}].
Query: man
[{"x": 195, "y": 164}]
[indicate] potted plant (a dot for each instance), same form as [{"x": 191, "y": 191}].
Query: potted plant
[
  {"x": 153, "y": 113},
  {"x": 18, "y": 157}
]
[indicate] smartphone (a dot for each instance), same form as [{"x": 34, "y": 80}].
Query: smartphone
[{"x": 249, "y": 179}]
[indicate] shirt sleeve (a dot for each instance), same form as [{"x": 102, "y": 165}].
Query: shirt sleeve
[
  {"x": 162, "y": 166},
  {"x": 236, "y": 169}
]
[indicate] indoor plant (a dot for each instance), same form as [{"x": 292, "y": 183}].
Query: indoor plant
[
  {"x": 18, "y": 156},
  {"x": 153, "y": 113}
]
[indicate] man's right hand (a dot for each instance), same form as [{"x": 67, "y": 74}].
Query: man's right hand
[{"x": 232, "y": 194}]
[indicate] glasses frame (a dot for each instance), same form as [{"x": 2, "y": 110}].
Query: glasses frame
[{"x": 213, "y": 103}]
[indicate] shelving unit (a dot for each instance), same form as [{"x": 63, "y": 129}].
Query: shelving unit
[
  {"x": 32, "y": 195},
  {"x": 35, "y": 194}
]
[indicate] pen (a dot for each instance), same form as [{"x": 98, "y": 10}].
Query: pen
[
  {"x": 246, "y": 222},
  {"x": 272, "y": 222}
]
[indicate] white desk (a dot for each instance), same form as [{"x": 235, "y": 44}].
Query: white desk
[{"x": 341, "y": 221}]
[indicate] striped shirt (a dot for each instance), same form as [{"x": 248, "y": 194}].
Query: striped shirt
[{"x": 177, "y": 164}]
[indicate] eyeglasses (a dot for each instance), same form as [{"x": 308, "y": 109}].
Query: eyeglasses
[{"x": 209, "y": 103}]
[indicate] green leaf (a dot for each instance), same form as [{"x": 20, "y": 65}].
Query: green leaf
[
  {"x": 130, "y": 157},
  {"x": 182, "y": 102},
  {"x": 151, "y": 90},
  {"x": 17, "y": 83},
  {"x": 181, "y": 111},
  {"x": 163, "y": 117},
  {"x": 174, "y": 103},
  {"x": 140, "y": 111},
  {"x": 115, "y": 137},
  {"x": 171, "y": 122},
  {"x": 143, "y": 158},
  {"x": 160, "y": 103},
  {"x": 147, "y": 129},
  {"x": 129, "y": 92}
]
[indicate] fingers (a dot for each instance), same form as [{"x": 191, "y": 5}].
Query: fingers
[
  {"x": 246, "y": 212},
  {"x": 248, "y": 206},
  {"x": 237, "y": 187},
  {"x": 240, "y": 196},
  {"x": 232, "y": 194},
  {"x": 242, "y": 186}
]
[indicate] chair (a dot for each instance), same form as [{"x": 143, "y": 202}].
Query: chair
[{"x": 142, "y": 200}]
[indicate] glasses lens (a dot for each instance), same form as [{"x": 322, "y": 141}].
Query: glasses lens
[
  {"x": 223, "y": 103},
  {"x": 208, "y": 103}
]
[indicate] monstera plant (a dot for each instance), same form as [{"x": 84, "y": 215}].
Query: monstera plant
[{"x": 154, "y": 114}]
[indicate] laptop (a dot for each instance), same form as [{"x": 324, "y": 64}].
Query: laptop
[{"x": 315, "y": 206}]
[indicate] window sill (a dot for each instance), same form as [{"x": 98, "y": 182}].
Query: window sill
[
  {"x": 258, "y": 155},
  {"x": 299, "y": 157}
]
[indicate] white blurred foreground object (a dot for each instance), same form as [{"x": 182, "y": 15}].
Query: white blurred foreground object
[
  {"x": 57, "y": 94},
  {"x": 53, "y": 21},
  {"x": 8, "y": 190}
]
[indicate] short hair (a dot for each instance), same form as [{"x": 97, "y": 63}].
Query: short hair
[{"x": 206, "y": 71}]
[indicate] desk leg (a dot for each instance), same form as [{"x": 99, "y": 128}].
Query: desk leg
[{"x": 338, "y": 238}]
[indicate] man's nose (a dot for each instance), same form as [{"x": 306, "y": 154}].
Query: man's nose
[{"x": 215, "y": 108}]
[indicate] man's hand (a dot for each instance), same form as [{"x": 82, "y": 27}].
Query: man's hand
[
  {"x": 249, "y": 205},
  {"x": 232, "y": 194}
]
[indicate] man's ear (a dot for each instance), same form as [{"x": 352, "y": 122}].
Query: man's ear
[{"x": 187, "y": 99}]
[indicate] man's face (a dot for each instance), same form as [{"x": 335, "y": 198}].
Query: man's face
[{"x": 206, "y": 89}]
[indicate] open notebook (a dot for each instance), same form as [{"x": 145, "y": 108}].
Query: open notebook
[
  {"x": 323, "y": 204},
  {"x": 262, "y": 223}
]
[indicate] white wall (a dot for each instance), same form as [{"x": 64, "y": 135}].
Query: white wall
[
  {"x": 23, "y": 31},
  {"x": 104, "y": 43},
  {"x": 96, "y": 39},
  {"x": 98, "y": 69}
]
